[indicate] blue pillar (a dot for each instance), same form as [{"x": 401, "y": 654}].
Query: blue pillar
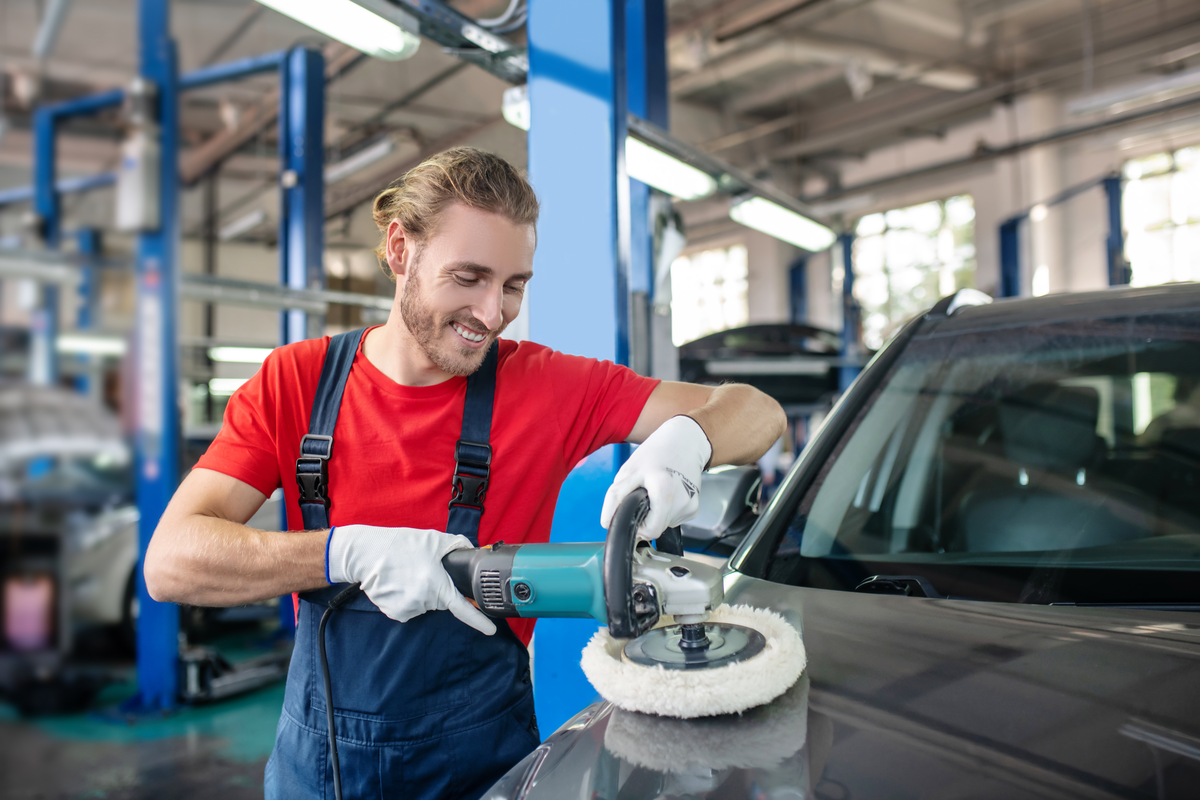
[
  {"x": 1010, "y": 257},
  {"x": 302, "y": 221},
  {"x": 851, "y": 317},
  {"x": 302, "y": 157},
  {"x": 87, "y": 242},
  {"x": 579, "y": 301},
  {"x": 1119, "y": 273},
  {"x": 43, "y": 359},
  {"x": 157, "y": 435},
  {"x": 798, "y": 291}
]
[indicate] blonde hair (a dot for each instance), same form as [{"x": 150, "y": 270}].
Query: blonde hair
[{"x": 459, "y": 175}]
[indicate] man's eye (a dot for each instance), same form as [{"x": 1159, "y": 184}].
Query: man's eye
[
  {"x": 516, "y": 288},
  {"x": 465, "y": 281}
]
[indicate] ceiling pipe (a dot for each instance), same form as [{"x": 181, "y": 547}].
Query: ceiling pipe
[{"x": 47, "y": 33}]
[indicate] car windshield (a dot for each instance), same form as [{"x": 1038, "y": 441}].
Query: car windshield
[{"x": 1051, "y": 463}]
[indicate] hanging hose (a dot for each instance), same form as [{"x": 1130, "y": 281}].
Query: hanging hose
[{"x": 343, "y": 597}]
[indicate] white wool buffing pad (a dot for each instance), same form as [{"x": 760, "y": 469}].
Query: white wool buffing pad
[{"x": 686, "y": 694}]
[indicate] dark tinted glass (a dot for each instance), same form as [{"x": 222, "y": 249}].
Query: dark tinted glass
[{"x": 1054, "y": 463}]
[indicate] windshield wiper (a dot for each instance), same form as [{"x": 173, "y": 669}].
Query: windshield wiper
[{"x": 907, "y": 585}]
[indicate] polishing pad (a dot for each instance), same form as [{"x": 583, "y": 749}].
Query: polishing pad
[{"x": 687, "y": 693}]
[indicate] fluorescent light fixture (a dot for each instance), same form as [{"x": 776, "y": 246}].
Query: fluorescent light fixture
[
  {"x": 515, "y": 106},
  {"x": 666, "y": 173},
  {"x": 360, "y": 160},
  {"x": 376, "y": 27},
  {"x": 239, "y": 355},
  {"x": 224, "y": 387},
  {"x": 1038, "y": 213},
  {"x": 1139, "y": 93},
  {"x": 242, "y": 225},
  {"x": 775, "y": 220},
  {"x": 90, "y": 345}
]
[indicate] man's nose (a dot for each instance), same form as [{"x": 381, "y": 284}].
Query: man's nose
[{"x": 490, "y": 309}]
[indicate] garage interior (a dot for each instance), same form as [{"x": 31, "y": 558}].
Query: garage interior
[{"x": 903, "y": 150}]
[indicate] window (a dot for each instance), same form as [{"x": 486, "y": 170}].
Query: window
[
  {"x": 708, "y": 293},
  {"x": 1161, "y": 210},
  {"x": 1051, "y": 463},
  {"x": 906, "y": 258}
]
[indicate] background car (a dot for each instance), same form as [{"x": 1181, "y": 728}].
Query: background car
[{"x": 991, "y": 549}]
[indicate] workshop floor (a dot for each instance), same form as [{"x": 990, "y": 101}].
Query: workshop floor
[{"x": 202, "y": 752}]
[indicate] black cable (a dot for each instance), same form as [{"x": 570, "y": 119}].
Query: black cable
[{"x": 337, "y": 602}]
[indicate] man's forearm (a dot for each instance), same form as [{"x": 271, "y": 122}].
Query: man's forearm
[
  {"x": 206, "y": 561},
  {"x": 741, "y": 423}
]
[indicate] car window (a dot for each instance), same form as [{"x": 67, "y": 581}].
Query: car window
[{"x": 1023, "y": 464}]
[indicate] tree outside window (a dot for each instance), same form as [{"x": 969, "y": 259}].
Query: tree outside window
[
  {"x": 1161, "y": 210},
  {"x": 906, "y": 258}
]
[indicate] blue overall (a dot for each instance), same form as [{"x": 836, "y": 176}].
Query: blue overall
[{"x": 429, "y": 708}]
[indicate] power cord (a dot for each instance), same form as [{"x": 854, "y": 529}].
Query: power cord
[{"x": 339, "y": 600}]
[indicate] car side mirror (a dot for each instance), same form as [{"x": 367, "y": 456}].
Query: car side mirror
[{"x": 729, "y": 505}]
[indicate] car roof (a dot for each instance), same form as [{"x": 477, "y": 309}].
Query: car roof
[{"x": 1021, "y": 312}]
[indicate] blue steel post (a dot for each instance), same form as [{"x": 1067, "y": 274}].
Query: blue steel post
[
  {"x": 87, "y": 242},
  {"x": 43, "y": 360},
  {"x": 851, "y": 318},
  {"x": 579, "y": 302},
  {"x": 1010, "y": 257},
  {"x": 157, "y": 436},
  {"x": 302, "y": 223},
  {"x": 646, "y": 82},
  {"x": 1119, "y": 273},
  {"x": 798, "y": 291}
]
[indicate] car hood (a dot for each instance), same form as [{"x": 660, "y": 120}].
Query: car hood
[{"x": 913, "y": 697}]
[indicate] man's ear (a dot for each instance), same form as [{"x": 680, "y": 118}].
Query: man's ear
[{"x": 397, "y": 242}]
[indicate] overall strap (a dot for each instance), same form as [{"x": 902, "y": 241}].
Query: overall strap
[
  {"x": 472, "y": 452},
  {"x": 312, "y": 467}
]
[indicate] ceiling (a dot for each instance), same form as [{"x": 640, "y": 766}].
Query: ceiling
[{"x": 787, "y": 88}]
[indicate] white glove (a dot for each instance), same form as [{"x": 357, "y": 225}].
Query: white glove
[
  {"x": 400, "y": 570},
  {"x": 668, "y": 465}
]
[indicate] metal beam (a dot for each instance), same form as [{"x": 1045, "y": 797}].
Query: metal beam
[
  {"x": 156, "y": 377},
  {"x": 232, "y": 70},
  {"x": 1010, "y": 256},
  {"x": 852, "y": 360},
  {"x": 1119, "y": 273},
  {"x": 456, "y": 31},
  {"x": 251, "y": 294}
]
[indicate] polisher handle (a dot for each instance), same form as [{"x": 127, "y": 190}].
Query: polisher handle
[{"x": 620, "y": 604}]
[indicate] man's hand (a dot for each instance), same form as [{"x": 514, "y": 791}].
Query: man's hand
[
  {"x": 668, "y": 465},
  {"x": 400, "y": 570}
]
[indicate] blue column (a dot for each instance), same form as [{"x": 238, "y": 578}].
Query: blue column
[
  {"x": 157, "y": 436},
  {"x": 1119, "y": 273},
  {"x": 302, "y": 221},
  {"x": 1010, "y": 257},
  {"x": 87, "y": 242},
  {"x": 851, "y": 317},
  {"x": 43, "y": 360},
  {"x": 302, "y": 157},
  {"x": 798, "y": 291},
  {"x": 579, "y": 300}
]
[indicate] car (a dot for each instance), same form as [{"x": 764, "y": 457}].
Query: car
[{"x": 991, "y": 549}]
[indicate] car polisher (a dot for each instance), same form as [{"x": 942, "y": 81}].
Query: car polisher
[{"x": 670, "y": 647}]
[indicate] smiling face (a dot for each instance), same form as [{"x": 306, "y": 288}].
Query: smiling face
[{"x": 461, "y": 288}]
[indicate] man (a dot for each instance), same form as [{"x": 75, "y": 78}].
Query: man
[{"x": 424, "y": 705}]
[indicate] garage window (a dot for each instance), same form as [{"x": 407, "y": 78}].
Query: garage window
[
  {"x": 1161, "y": 210},
  {"x": 906, "y": 258},
  {"x": 709, "y": 293}
]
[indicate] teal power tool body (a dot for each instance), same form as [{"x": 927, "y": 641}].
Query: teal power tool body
[{"x": 623, "y": 583}]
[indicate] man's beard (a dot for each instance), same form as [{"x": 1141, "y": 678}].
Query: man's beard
[{"x": 427, "y": 329}]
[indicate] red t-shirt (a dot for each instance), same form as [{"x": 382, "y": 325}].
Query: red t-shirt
[{"x": 393, "y": 448}]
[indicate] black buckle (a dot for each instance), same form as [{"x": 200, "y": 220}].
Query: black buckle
[
  {"x": 314, "y": 484},
  {"x": 469, "y": 489}
]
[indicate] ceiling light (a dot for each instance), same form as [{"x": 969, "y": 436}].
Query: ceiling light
[
  {"x": 1039, "y": 212},
  {"x": 239, "y": 355},
  {"x": 224, "y": 387},
  {"x": 90, "y": 345},
  {"x": 1140, "y": 93},
  {"x": 515, "y": 106},
  {"x": 242, "y": 225},
  {"x": 376, "y": 27},
  {"x": 360, "y": 160},
  {"x": 666, "y": 173},
  {"x": 775, "y": 220}
]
